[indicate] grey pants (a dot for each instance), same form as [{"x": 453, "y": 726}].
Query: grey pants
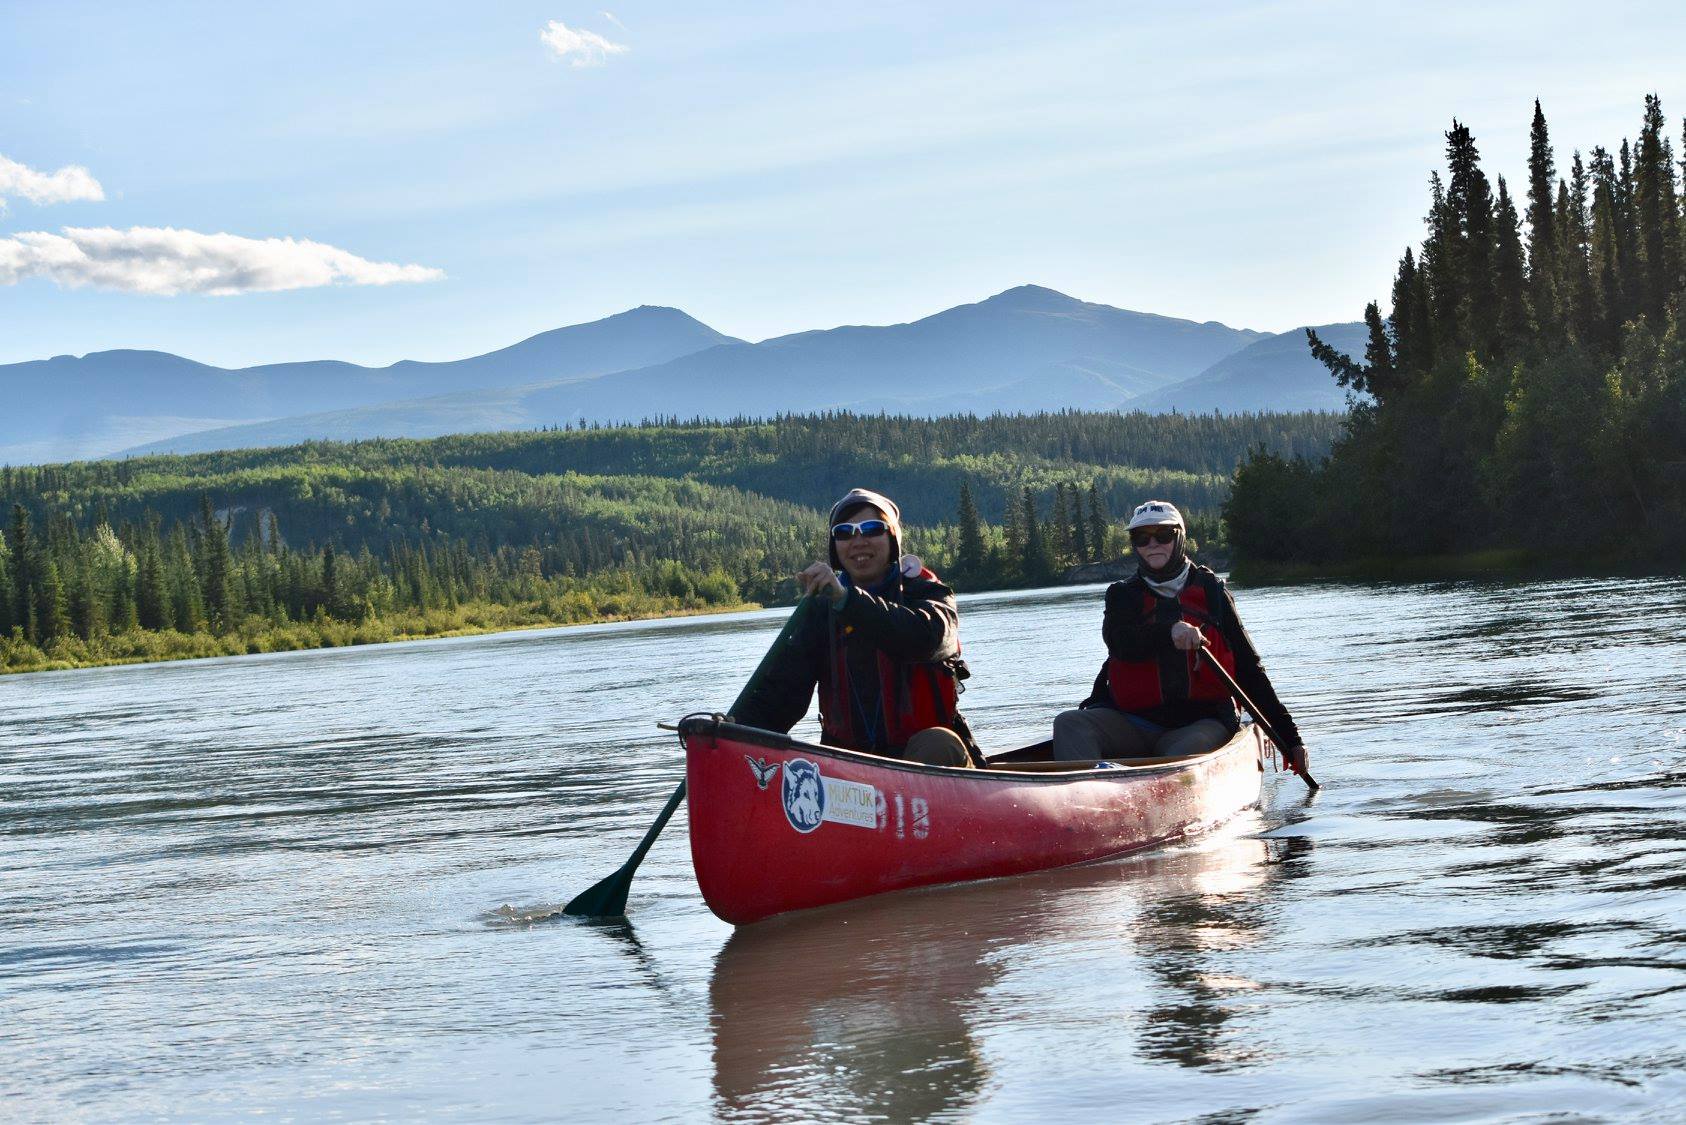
[{"x": 1101, "y": 732}]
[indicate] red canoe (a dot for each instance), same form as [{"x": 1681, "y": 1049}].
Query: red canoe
[{"x": 778, "y": 824}]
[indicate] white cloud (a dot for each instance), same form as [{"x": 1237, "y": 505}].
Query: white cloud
[
  {"x": 165, "y": 261},
  {"x": 68, "y": 184},
  {"x": 610, "y": 16},
  {"x": 576, "y": 46}
]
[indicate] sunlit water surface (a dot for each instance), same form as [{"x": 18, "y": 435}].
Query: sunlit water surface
[{"x": 271, "y": 886}]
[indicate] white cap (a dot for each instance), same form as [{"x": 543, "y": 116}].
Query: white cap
[{"x": 1156, "y": 513}]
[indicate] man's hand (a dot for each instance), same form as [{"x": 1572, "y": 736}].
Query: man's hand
[
  {"x": 822, "y": 580},
  {"x": 1186, "y": 637},
  {"x": 1297, "y": 758}
]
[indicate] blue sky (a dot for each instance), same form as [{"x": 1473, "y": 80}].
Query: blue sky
[{"x": 767, "y": 168}]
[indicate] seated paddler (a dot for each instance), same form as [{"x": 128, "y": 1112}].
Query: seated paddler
[
  {"x": 880, "y": 640},
  {"x": 1157, "y": 695}
]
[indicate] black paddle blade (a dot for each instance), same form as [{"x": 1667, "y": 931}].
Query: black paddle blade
[{"x": 605, "y": 898}]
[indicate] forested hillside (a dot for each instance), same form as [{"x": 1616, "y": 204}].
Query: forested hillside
[
  {"x": 1529, "y": 386},
  {"x": 327, "y": 543}
]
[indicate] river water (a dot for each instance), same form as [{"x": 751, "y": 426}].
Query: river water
[{"x": 272, "y": 886}]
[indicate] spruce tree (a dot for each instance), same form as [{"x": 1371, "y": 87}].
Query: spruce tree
[
  {"x": 1034, "y": 565},
  {"x": 7, "y": 596},
  {"x": 1013, "y": 536},
  {"x": 1469, "y": 198},
  {"x": 1510, "y": 280},
  {"x": 1544, "y": 238},
  {"x": 970, "y": 556},
  {"x": 23, "y": 578},
  {"x": 51, "y": 618},
  {"x": 216, "y": 570},
  {"x": 1098, "y": 520},
  {"x": 1059, "y": 528},
  {"x": 152, "y": 595},
  {"x": 1079, "y": 535},
  {"x": 1656, "y": 217}
]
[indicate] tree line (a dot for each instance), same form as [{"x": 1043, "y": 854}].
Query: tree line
[
  {"x": 329, "y": 543},
  {"x": 1528, "y": 382}
]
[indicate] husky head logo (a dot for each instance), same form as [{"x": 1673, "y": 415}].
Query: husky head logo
[
  {"x": 762, "y": 771},
  {"x": 804, "y": 796}
]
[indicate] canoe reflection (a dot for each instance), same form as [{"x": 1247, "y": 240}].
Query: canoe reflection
[{"x": 878, "y": 1002}]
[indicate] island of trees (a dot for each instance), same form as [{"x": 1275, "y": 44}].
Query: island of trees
[
  {"x": 330, "y": 544},
  {"x": 1527, "y": 391}
]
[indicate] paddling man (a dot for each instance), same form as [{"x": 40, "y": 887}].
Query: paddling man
[
  {"x": 882, "y": 645},
  {"x": 1155, "y": 696}
]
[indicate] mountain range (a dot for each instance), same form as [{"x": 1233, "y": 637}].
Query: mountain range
[{"x": 1026, "y": 349}]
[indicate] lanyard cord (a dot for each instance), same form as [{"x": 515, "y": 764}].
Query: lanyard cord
[{"x": 871, "y": 729}]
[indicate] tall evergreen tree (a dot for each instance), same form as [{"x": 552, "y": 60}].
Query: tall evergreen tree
[
  {"x": 1544, "y": 237},
  {"x": 1656, "y": 215},
  {"x": 1469, "y": 198},
  {"x": 7, "y": 596},
  {"x": 23, "y": 579},
  {"x": 1034, "y": 564},
  {"x": 51, "y": 618},
  {"x": 1098, "y": 521},
  {"x": 1059, "y": 528},
  {"x": 153, "y": 607},
  {"x": 969, "y": 559},
  {"x": 216, "y": 572},
  {"x": 1510, "y": 280},
  {"x": 1575, "y": 282}
]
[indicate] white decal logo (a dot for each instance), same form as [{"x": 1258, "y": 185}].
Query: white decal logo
[
  {"x": 810, "y": 799},
  {"x": 804, "y": 796}
]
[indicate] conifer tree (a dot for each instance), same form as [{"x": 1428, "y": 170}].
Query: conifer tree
[
  {"x": 970, "y": 557},
  {"x": 1079, "y": 536},
  {"x": 1510, "y": 279},
  {"x": 7, "y": 596},
  {"x": 1098, "y": 520},
  {"x": 216, "y": 577},
  {"x": 153, "y": 608},
  {"x": 1544, "y": 237},
  {"x": 1034, "y": 565},
  {"x": 51, "y": 618},
  {"x": 1656, "y": 215},
  {"x": 1575, "y": 283},
  {"x": 1469, "y": 198},
  {"x": 23, "y": 580},
  {"x": 1059, "y": 528},
  {"x": 1013, "y": 537}
]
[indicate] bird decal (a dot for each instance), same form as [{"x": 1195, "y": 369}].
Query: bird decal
[{"x": 762, "y": 770}]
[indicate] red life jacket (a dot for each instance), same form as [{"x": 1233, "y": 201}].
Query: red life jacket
[
  {"x": 1140, "y": 685},
  {"x": 912, "y": 695}
]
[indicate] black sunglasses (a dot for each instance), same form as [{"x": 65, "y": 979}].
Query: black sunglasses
[
  {"x": 1143, "y": 535},
  {"x": 872, "y": 529}
]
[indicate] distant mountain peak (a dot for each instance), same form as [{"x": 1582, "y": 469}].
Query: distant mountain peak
[{"x": 1029, "y": 295}]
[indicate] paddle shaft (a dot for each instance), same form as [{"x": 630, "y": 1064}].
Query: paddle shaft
[
  {"x": 1241, "y": 697},
  {"x": 607, "y": 897}
]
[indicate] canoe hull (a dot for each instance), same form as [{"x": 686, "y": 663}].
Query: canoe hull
[{"x": 779, "y": 825}]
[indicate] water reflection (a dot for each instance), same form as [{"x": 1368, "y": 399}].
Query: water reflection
[{"x": 879, "y": 1007}]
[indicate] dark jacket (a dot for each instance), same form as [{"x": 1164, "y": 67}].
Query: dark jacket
[
  {"x": 911, "y": 619},
  {"x": 1132, "y": 635}
]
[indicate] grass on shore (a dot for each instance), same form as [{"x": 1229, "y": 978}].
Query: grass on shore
[{"x": 257, "y": 634}]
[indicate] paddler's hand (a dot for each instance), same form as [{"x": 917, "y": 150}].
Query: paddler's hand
[
  {"x": 1186, "y": 636},
  {"x": 1297, "y": 758},
  {"x": 821, "y": 580}
]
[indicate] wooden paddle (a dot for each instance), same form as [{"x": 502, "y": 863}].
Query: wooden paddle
[
  {"x": 606, "y": 898},
  {"x": 1241, "y": 697}
]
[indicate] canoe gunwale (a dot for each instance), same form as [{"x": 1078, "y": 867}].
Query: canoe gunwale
[{"x": 718, "y": 726}]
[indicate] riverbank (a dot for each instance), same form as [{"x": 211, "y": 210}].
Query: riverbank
[
  {"x": 1495, "y": 563},
  {"x": 141, "y": 646}
]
